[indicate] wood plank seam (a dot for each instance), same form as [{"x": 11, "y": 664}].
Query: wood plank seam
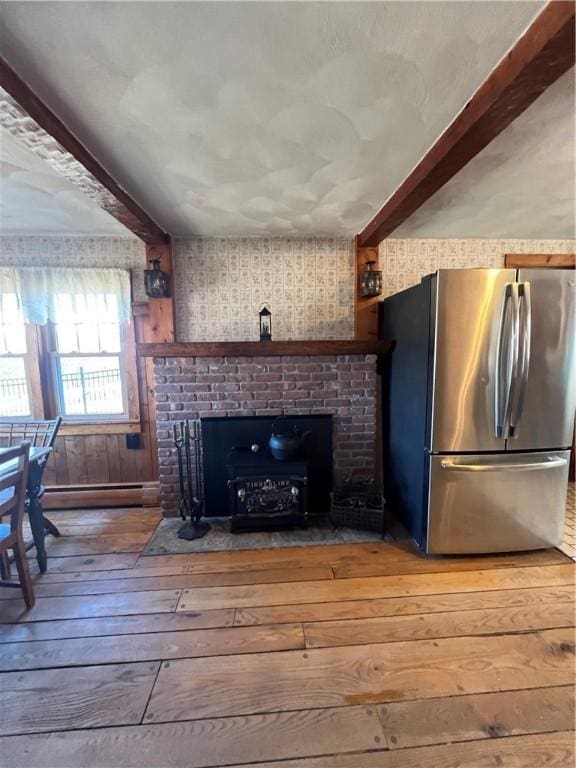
[
  {"x": 470, "y": 635},
  {"x": 150, "y": 692}
]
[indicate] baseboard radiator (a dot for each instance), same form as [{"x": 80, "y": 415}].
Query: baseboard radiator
[{"x": 101, "y": 495}]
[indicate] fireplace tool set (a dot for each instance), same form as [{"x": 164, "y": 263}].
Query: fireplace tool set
[{"x": 190, "y": 480}]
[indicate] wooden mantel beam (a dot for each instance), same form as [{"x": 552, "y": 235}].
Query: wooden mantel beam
[
  {"x": 543, "y": 53},
  {"x": 264, "y": 348},
  {"x": 34, "y": 124}
]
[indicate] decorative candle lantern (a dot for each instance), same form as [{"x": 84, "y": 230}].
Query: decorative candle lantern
[
  {"x": 156, "y": 283},
  {"x": 265, "y": 323},
  {"x": 370, "y": 280}
]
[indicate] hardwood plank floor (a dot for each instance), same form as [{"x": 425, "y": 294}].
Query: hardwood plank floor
[
  {"x": 521, "y": 752},
  {"x": 104, "y": 626},
  {"x": 362, "y": 674},
  {"x": 258, "y": 595},
  {"x": 47, "y": 700},
  {"x": 350, "y": 656},
  {"x": 46, "y": 654},
  {"x": 84, "y": 606},
  {"x": 451, "y": 624},
  {"x": 466, "y": 718},
  {"x": 400, "y": 606},
  {"x": 91, "y": 587}
]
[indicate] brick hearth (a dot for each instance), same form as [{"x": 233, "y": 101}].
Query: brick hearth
[{"x": 200, "y": 387}]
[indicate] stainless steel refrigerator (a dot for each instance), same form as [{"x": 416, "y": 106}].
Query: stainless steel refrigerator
[{"x": 479, "y": 394}]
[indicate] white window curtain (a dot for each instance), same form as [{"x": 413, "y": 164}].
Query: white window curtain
[{"x": 37, "y": 287}]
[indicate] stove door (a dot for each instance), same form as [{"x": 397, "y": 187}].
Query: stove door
[{"x": 268, "y": 496}]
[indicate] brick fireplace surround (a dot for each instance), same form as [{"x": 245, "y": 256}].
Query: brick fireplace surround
[{"x": 198, "y": 387}]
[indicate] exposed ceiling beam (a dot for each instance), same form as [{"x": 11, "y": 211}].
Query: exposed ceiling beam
[
  {"x": 33, "y": 123},
  {"x": 543, "y": 53}
]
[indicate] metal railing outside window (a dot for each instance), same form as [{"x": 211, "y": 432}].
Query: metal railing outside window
[
  {"x": 92, "y": 392},
  {"x": 84, "y": 393},
  {"x": 14, "y": 397}
]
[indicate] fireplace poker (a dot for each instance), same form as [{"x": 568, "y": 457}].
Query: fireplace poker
[
  {"x": 183, "y": 507},
  {"x": 193, "y": 529},
  {"x": 197, "y": 500},
  {"x": 188, "y": 455}
]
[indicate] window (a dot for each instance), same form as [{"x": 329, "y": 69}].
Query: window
[
  {"x": 14, "y": 388},
  {"x": 67, "y": 346},
  {"x": 87, "y": 358}
]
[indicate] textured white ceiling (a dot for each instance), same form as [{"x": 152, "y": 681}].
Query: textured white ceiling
[
  {"x": 521, "y": 185},
  {"x": 254, "y": 118},
  {"x": 34, "y": 199}
]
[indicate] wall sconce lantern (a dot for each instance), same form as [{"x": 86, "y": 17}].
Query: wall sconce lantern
[
  {"x": 370, "y": 280},
  {"x": 265, "y": 324},
  {"x": 156, "y": 283}
]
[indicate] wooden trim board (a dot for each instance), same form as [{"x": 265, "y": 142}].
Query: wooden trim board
[
  {"x": 540, "y": 260},
  {"x": 365, "y": 309}
]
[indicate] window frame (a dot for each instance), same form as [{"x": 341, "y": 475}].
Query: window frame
[
  {"x": 32, "y": 374},
  {"x": 56, "y": 386},
  {"x": 42, "y": 386}
]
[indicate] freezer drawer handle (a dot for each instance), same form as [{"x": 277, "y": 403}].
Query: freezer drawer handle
[{"x": 550, "y": 463}]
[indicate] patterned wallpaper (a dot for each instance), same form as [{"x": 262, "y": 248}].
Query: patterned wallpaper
[
  {"x": 222, "y": 283},
  {"x": 58, "y": 251},
  {"x": 405, "y": 262}
]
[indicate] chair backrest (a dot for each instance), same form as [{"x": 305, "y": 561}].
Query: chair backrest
[
  {"x": 13, "y": 479},
  {"x": 41, "y": 434}
]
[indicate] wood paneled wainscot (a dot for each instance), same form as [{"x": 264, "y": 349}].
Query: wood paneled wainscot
[{"x": 91, "y": 465}]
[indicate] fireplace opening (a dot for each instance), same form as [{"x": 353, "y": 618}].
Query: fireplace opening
[{"x": 244, "y": 481}]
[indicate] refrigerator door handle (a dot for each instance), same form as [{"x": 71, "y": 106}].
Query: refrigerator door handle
[
  {"x": 508, "y": 342},
  {"x": 551, "y": 462},
  {"x": 525, "y": 342}
]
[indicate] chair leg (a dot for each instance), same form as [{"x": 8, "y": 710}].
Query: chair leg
[
  {"x": 49, "y": 527},
  {"x": 5, "y": 566},
  {"x": 24, "y": 575},
  {"x": 38, "y": 532}
]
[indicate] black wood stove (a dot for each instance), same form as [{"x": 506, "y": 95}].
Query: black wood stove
[
  {"x": 242, "y": 479},
  {"x": 265, "y": 494}
]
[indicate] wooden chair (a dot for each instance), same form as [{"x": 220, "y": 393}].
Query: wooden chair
[
  {"x": 13, "y": 478},
  {"x": 40, "y": 434}
]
